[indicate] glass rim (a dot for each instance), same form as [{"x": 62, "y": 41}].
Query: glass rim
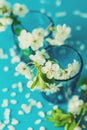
[
  {"x": 80, "y": 57},
  {"x": 38, "y": 12}
]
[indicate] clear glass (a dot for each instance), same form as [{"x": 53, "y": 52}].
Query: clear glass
[
  {"x": 64, "y": 55},
  {"x": 32, "y": 20}
]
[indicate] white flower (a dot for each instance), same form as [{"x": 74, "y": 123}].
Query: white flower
[
  {"x": 4, "y": 22},
  {"x": 51, "y": 70},
  {"x": 60, "y": 34},
  {"x": 25, "y": 39},
  {"x": 63, "y": 32},
  {"x": 5, "y": 8},
  {"x": 20, "y": 9},
  {"x": 37, "y": 42},
  {"x": 54, "y": 88},
  {"x": 40, "y": 57},
  {"x": 73, "y": 68},
  {"x": 77, "y": 128},
  {"x": 23, "y": 69},
  {"x": 54, "y": 41},
  {"x": 75, "y": 105},
  {"x": 40, "y": 32},
  {"x": 2, "y": 26}
]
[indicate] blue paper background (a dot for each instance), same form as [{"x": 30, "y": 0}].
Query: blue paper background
[{"x": 78, "y": 24}]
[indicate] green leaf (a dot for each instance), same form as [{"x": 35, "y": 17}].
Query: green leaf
[
  {"x": 70, "y": 126},
  {"x": 26, "y": 52},
  {"x": 46, "y": 79},
  {"x": 34, "y": 84},
  {"x": 59, "y": 111},
  {"x": 42, "y": 83},
  {"x": 83, "y": 81},
  {"x": 18, "y": 30}
]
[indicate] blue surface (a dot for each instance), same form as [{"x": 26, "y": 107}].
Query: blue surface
[{"x": 78, "y": 41}]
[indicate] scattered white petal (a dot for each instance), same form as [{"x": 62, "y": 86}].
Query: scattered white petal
[
  {"x": 32, "y": 101},
  {"x": 49, "y": 112},
  {"x": 20, "y": 112},
  {"x": 20, "y": 84},
  {"x": 55, "y": 107},
  {"x": 30, "y": 128},
  {"x": 6, "y": 68},
  {"x": 5, "y": 103},
  {"x": 41, "y": 114},
  {"x": 2, "y": 125},
  {"x": 39, "y": 105},
  {"x": 13, "y": 94},
  {"x": 15, "y": 59},
  {"x": 42, "y": 128},
  {"x": 14, "y": 85},
  {"x": 13, "y": 101},
  {"x": 61, "y": 14},
  {"x": 42, "y": 10},
  {"x": 14, "y": 121},
  {"x": 20, "y": 89},
  {"x": 27, "y": 95},
  {"x": 78, "y": 28},
  {"x": 58, "y": 3},
  {"x": 16, "y": 74},
  {"x": 37, "y": 121},
  {"x": 82, "y": 47},
  {"x": 7, "y": 114},
  {"x": 26, "y": 108},
  {"x": 10, "y": 127},
  {"x": 7, "y": 121},
  {"x": 12, "y": 52},
  {"x": 5, "y": 90},
  {"x": 42, "y": 1}
]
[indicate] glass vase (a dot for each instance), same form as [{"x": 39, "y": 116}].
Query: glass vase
[
  {"x": 64, "y": 55},
  {"x": 32, "y": 20}
]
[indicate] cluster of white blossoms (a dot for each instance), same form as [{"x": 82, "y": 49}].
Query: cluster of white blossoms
[
  {"x": 20, "y": 10},
  {"x": 23, "y": 69},
  {"x": 35, "y": 40},
  {"x": 39, "y": 57},
  {"x": 53, "y": 88},
  {"x": 60, "y": 34},
  {"x": 75, "y": 105},
  {"x": 54, "y": 70},
  {"x": 5, "y": 8},
  {"x": 4, "y": 22},
  {"x": 7, "y": 13}
]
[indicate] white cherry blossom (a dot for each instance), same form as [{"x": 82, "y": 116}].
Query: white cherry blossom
[
  {"x": 54, "y": 41},
  {"x": 37, "y": 42},
  {"x": 60, "y": 34},
  {"x": 40, "y": 32},
  {"x": 20, "y": 10},
  {"x": 51, "y": 70},
  {"x": 54, "y": 88},
  {"x": 40, "y": 57},
  {"x": 63, "y": 32},
  {"x": 25, "y": 39},
  {"x": 74, "y": 105},
  {"x": 4, "y": 22},
  {"x": 5, "y": 8},
  {"x": 73, "y": 68},
  {"x": 23, "y": 69}
]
